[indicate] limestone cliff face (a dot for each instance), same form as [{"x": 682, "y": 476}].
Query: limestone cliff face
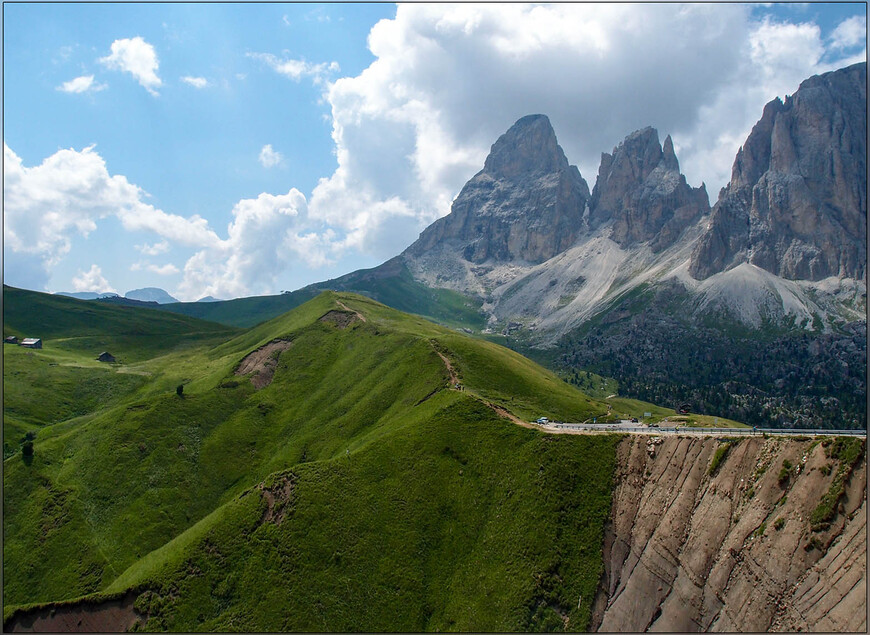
[
  {"x": 526, "y": 204},
  {"x": 735, "y": 551},
  {"x": 797, "y": 201},
  {"x": 641, "y": 189}
]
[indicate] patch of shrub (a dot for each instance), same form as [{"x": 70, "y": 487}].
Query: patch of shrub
[
  {"x": 779, "y": 523},
  {"x": 848, "y": 451},
  {"x": 814, "y": 543},
  {"x": 785, "y": 472},
  {"x": 718, "y": 457}
]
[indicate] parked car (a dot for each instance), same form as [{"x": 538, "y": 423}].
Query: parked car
[{"x": 542, "y": 420}]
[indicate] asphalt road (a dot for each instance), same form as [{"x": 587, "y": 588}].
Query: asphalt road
[{"x": 710, "y": 432}]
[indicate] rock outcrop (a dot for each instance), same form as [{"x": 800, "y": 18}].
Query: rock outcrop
[
  {"x": 641, "y": 190},
  {"x": 526, "y": 204},
  {"x": 731, "y": 547},
  {"x": 796, "y": 204}
]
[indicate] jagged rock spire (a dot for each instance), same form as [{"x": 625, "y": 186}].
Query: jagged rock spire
[{"x": 641, "y": 191}]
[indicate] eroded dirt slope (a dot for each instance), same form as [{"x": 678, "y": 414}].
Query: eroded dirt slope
[
  {"x": 261, "y": 363},
  {"x": 110, "y": 616},
  {"x": 687, "y": 550}
]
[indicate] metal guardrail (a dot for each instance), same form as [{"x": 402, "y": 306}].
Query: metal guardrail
[{"x": 603, "y": 427}]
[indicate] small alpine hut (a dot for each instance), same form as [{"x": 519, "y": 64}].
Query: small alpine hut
[
  {"x": 10, "y": 340},
  {"x": 31, "y": 342},
  {"x": 105, "y": 356}
]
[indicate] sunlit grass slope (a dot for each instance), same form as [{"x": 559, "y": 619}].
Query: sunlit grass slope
[
  {"x": 456, "y": 522},
  {"x": 405, "y": 493},
  {"x": 64, "y": 380}
]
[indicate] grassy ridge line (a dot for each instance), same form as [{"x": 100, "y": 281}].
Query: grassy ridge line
[
  {"x": 132, "y": 334},
  {"x": 494, "y": 373},
  {"x": 242, "y": 312},
  {"x": 393, "y": 285},
  {"x": 460, "y": 522},
  {"x": 103, "y": 490},
  {"x": 54, "y": 316},
  {"x": 163, "y": 462}
]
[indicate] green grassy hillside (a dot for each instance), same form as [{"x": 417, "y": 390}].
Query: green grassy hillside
[
  {"x": 63, "y": 380},
  {"x": 88, "y": 327},
  {"x": 404, "y": 492},
  {"x": 390, "y": 283},
  {"x": 242, "y": 312},
  {"x": 495, "y": 529}
]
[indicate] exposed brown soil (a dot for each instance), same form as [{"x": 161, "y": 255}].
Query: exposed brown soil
[
  {"x": 340, "y": 319},
  {"x": 112, "y": 616},
  {"x": 278, "y": 499},
  {"x": 686, "y": 551},
  {"x": 262, "y": 363}
]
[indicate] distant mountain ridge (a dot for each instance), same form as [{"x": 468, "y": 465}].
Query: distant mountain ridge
[
  {"x": 795, "y": 208},
  {"x": 150, "y": 294},
  {"x": 86, "y": 295}
]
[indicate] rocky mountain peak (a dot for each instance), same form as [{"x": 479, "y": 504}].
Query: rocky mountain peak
[
  {"x": 641, "y": 191},
  {"x": 669, "y": 157},
  {"x": 528, "y": 147},
  {"x": 796, "y": 204},
  {"x": 526, "y": 205}
]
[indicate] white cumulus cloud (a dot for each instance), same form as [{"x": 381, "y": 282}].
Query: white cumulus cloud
[
  {"x": 70, "y": 192},
  {"x": 137, "y": 57},
  {"x": 82, "y": 84},
  {"x": 154, "y": 250},
  {"x": 92, "y": 280},
  {"x": 297, "y": 69},
  {"x": 47, "y": 205},
  {"x": 270, "y": 158},
  {"x": 196, "y": 82},
  {"x": 267, "y": 235},
  {"x": 850, "y": 33},
  {"x": 161, "y": 270}
]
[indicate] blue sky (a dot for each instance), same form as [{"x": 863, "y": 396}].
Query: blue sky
[{"x": 241, "y": 149}]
